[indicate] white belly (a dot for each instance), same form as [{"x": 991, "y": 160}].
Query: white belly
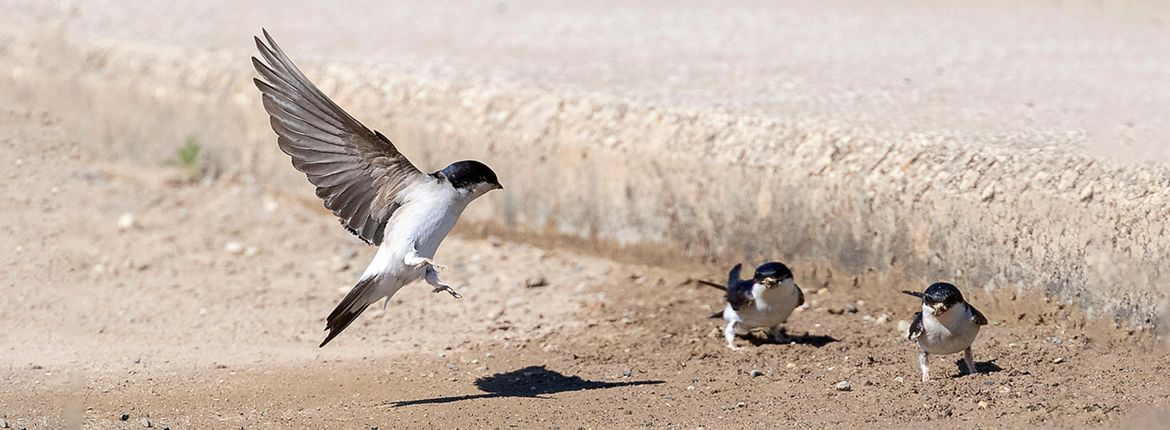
[
  {"x": 419, "y": 226},
  {"x": 771, "y": 307},
  {"x": 949, "y": 333}
]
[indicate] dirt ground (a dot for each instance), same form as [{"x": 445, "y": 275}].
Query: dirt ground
[{"x": 134, "y": 294}]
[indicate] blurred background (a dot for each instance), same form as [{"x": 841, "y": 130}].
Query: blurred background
[{"x": 158, "y": 242}]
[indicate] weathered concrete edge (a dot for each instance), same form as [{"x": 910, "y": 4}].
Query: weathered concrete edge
[{"x": 838, "y": 203}]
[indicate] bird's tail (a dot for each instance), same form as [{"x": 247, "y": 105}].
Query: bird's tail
[{"x": 350, "y": 307}]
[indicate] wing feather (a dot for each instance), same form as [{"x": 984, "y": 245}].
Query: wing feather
[{"x": 358, "y": 172}]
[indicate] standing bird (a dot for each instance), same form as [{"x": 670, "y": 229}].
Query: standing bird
[
  {"x": 379, "y": 195},
  {"x": 947, "y": 324},
  {"x": 765, "y": 301}
]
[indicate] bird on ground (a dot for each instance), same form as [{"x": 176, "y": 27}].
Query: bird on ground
[
  {"x": 764, "y": 301},
  {"x": 947, "y": 324},
  {"x": 362, "y": 177}
]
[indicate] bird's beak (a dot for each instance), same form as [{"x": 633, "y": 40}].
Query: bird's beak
[{"x": 498, "y": 187}]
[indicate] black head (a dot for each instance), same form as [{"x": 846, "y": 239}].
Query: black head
[
  {"x": 941, "y": 296},
  {"x": 772, "y": 273},
  {"x": 470, "y": 175}
]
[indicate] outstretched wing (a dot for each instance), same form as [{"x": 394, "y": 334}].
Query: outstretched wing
[
  {"x": 977, "y": 316},
  {"x": 358, "y": 172},
  {"x": 915, "y": 327}
]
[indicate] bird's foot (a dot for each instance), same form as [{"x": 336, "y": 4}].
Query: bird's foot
[
  {"x": 734, "y": 347},
  {"x": 429, "y": 262},
  {"x": 448, "y": 289}
]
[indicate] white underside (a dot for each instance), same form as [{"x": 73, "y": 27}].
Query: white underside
[
  {"x": 429, "y": 211},
  {"x": 771, "y": 307},
  {"x": 949, "y": 333}
]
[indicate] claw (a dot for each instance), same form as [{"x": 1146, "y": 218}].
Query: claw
[
  {"x": 448, "y": 289},
  {"x": 432, "y": 263}
]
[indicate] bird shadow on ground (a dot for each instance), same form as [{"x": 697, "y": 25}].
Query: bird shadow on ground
[
  {"x": 804, "y": 339},
  {"x": 980, "y": 367},
  {"x": 531, "y": 381}
]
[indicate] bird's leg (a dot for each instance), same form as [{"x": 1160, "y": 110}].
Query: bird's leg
[
  {"x": 416, "y": 261},
  {"x": 432, "y": 278},
  {"x": 729, "y": 334},
  {"x": 924, "y": 364},
  {"x": 969, "y": 360},
  {"x": 777, "y": 334}
]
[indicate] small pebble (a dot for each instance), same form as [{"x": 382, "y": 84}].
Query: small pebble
[
  {"x": 1058, "y": 360},
  {"x": 898, "y": 379},
  {"x": 740, "y": 404},
  {"x": 790, "y": 365},
  {"x": 844, "y": 386},
  {"x": 851, "y": 309},
  {"x": 3, "y": 423},
  {"x": 145, "y": 422},
  {"x": 126, "y": 221},
  {"x": 627, "y": 373},
  {"x": 234, "y": 248},
  {"x": 757, "y": 372},
  {"x": 535, "y": 282},
  {"x": 125, "y": 417},
  {"x": 982, "y": 404}
]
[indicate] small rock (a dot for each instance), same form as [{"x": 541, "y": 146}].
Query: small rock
[
  {"x": 126, "y": 222},
  {"x": 850, "y": 309},
  {"x": 1058, "y": 360},
  {"x": 903, "y": 326},
  {"x": 535, "y": 282},
  {"x": 125, "y": 417},
  {"x": 898, "y": 379},
  {"x": 844, "y": 386},
  {"x": 982, "y": 404},
  {"x": 145, "y": 422},
  {"x": 790, "y": 365},
  {"x": 251, "y": 250},
  {"x": 882, "y": 319},
  {"x": 627, "y": 373},
  {"x": 3, "y": 423},
  {"x": 740, "y": 404},
  {"x": 234, "y": 248},
  {"x": 756, "y": 372}
]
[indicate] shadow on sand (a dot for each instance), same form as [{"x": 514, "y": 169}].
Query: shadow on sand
[
  {"x": 531, "y": 381},
  {"x": 980, "y": 367},
  {"x": 804, "y": 339}
]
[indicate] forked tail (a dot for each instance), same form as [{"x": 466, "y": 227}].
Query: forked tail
[{"x": 350, "y": 307}]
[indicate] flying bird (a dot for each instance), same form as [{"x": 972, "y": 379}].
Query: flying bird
[
  {"x": 377, "y": 193},
  {"x": 764, "y": 301},
  {"x": 947, "y": 324}
]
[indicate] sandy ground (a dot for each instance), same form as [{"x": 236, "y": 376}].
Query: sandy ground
[{"x": 130, "y": 290}]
